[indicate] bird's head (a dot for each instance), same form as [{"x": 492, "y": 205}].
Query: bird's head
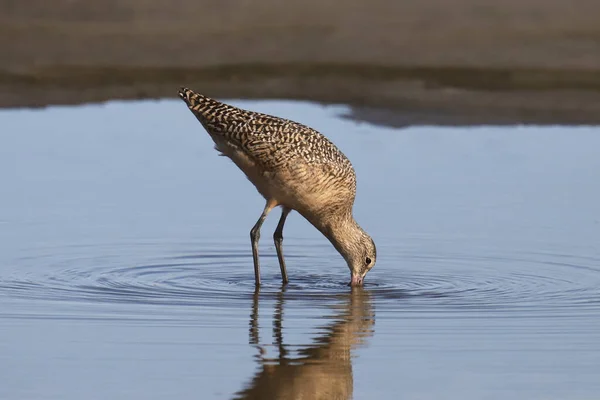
[{"x": 360, "y": 256}]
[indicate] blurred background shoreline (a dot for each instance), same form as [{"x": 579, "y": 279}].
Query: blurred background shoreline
[{"x": 431, "y": 62}]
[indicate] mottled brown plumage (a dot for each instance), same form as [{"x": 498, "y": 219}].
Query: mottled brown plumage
[{"x": 292, "y": 166}]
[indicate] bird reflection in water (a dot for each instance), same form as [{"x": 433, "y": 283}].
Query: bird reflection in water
[{"x": 322, "y": 370}]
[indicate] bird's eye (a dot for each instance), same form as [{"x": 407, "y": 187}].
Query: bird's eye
[{"x": 368, "y": 261}]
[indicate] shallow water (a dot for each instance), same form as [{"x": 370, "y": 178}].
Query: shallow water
[{"x": 125, "y": 266}]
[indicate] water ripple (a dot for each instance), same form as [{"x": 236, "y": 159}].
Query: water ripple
[{"x": 222, "y": 276}]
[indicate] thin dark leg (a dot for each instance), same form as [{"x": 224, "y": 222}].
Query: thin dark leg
[
  {"x": 255, "y": 236},
  {"x": 278, "y": 238}
]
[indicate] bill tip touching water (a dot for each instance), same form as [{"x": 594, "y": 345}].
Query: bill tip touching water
[{"x": 292, "y": 166}]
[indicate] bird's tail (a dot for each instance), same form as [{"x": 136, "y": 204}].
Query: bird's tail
[
  {"x": 207, "y": 110},
  {"x": 194, "y": 100}
]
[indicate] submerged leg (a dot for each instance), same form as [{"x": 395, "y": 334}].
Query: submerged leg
[
  {"x": 278, "y": 238},
  {"x": 255, "y": 236}
]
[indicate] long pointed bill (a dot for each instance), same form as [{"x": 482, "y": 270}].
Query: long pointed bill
[{"x": 356, "y": 280}]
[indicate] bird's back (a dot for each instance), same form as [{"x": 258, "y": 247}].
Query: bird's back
[{"x": 277, "y": 146}]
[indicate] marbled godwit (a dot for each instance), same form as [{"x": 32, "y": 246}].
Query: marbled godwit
[{"x": 292, "y": 166}]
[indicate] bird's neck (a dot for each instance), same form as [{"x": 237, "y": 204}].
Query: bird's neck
[{"x": 343, "y": 232}]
